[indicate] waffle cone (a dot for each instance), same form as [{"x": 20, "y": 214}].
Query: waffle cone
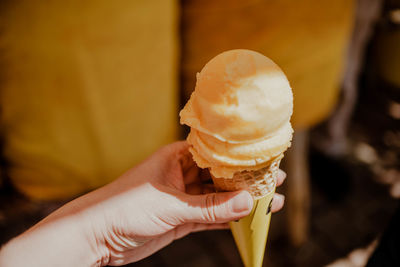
[{"x": 258, "y": 182}]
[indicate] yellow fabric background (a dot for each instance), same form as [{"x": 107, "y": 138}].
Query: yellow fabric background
[
  {"x": 89, "y": 90},
  {"x": 307, "y": 39}
]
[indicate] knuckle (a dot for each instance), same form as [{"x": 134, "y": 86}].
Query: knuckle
[{"x": 209, "y": 207}]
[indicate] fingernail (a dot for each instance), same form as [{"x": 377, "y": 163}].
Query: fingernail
[
  {"x": 242, "y": 202},
  {"x": 281, "y": 174}
]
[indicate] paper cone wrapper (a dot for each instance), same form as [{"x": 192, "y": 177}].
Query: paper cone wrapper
[{"x": 251, "y": 232}]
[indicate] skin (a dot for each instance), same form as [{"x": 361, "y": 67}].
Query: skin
[{"x": 160, "y": 200}]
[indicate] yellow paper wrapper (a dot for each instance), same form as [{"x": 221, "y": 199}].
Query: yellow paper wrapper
[{"x": 251, "y": 232}]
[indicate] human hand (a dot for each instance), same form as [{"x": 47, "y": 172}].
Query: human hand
[{"x": 162, "y": 199}]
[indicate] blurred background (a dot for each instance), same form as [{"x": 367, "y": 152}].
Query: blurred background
[{"x": 90, "y": 88}]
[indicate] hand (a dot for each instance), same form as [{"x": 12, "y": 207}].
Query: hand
[{"x": 162, "y": 199}]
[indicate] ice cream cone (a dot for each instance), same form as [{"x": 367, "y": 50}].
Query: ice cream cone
[
  {"x": 250, "y": 233},
  {"x": 239, "y": 115}
]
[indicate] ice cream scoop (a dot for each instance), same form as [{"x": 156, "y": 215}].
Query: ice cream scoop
[{"x": 239, "y": 113}]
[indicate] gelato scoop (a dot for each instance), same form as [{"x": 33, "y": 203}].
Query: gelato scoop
[{"x": 239, "y": 113}]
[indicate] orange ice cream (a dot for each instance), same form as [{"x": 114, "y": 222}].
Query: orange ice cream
[{"x": 239, "y": 113}]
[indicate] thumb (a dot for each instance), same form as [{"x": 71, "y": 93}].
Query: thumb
[{"x": 216, "y": 207}]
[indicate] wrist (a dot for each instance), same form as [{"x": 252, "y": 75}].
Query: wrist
[
  {"x": 88, "y": 225},
  {"x": 65, "y": 238},
  {"x": 59, "y": 243},
  {"x": 93, "y": 230}
]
